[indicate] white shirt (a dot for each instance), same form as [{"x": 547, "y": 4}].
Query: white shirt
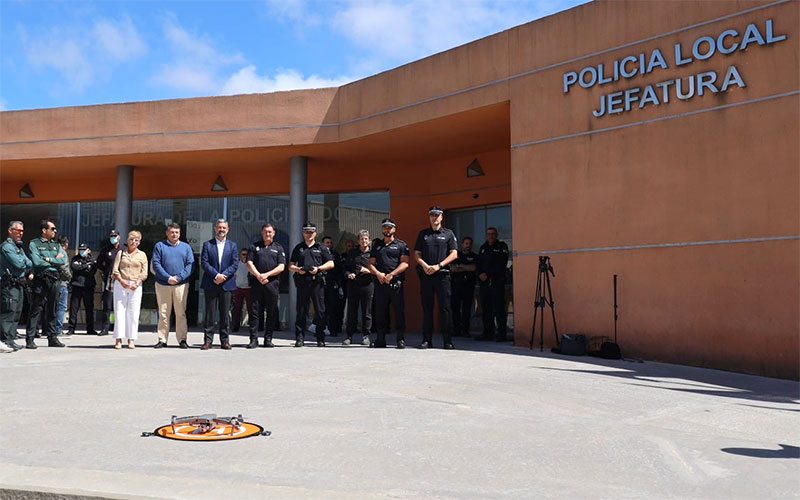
[
  {"x": 220, "y": 248},
  {"x": 241, "y": 275}
]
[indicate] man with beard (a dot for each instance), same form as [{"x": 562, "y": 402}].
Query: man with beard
[
  {"x": 219, "y": 260},
  {"x": 388, "y": 262},
  {"x": 47, "y": 257}
]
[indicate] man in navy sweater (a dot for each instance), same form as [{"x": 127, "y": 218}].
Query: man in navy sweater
[
  {"x": 219, "y": 260},
  {"x": 172, "y": 264}
]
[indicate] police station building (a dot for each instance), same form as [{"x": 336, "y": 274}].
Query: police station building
[{"x": 657, "y": 141}]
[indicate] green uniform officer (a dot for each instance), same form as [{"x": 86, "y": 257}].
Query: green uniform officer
[
  {"x": 16, "y": 269},
  {"x": 47, "y": 256}
]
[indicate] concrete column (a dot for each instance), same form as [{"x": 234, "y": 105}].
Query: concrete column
[
  {"x": 123, "y": 207},
  {"x": 298, "y": 206}
]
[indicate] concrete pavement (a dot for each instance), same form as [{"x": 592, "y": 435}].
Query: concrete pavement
[{"x": 484, "y": 421}]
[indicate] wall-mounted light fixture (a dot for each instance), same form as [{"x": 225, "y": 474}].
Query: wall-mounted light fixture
[
  {"x": 474, "y": 169},
  {"x": 26, "y": 191},
  {"x": 219, "y": 185}
]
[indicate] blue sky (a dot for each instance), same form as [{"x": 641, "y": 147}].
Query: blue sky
[{"x": 64, "y": 53}]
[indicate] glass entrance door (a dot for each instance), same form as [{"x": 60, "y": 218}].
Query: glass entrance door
[{"x": 473, "y": 222}]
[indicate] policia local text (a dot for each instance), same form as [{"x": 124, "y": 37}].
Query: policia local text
[{"x": 704, "y": 47}]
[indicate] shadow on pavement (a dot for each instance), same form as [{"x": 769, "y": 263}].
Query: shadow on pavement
[
  {"x": 690, "y": 379},
  {"x": 786, "y": 451}
]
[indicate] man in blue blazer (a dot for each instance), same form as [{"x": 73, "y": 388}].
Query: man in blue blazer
[{"x": 219, "y": 260}]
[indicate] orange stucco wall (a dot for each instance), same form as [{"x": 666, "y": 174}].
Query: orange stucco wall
[
  {"x": 721, "y": 175},
  {"x": 684, "y": 200}
]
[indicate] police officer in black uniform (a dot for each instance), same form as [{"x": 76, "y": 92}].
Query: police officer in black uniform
[
  {"x": 436, "y": 247},
  {"x": 360, "y": 288},
  {"x": 388, "y": 262},
  {"x": 334, "y": 289},
  {"x": 348, "y": 245},
  {"x": 47, "y": 257},
  {"x": 16, "y": 269},
  {"x": 491, "y": 269},
  {"x": 308, "y": 262},
  {"x": 463, "y": 287},
  {"x": 266, "y": 260},
  {"x": 83, "y": 282},
  {"x": 105, "y": 262}
]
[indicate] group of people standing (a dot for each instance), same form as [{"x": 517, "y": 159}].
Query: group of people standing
[{"x": 371, "y": 275}]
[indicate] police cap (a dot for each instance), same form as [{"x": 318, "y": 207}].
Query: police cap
[
  {"x": 309, "y": 226},
  {"x": 388, "y": 222},
  {"x": 435, "y": 210},
  {"x": 114, "y": 232},
  {"x": 82, "y": 246}
]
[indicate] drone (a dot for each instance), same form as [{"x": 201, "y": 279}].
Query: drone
[
  {"x": 208, "y": 422},
  {"x": 200, "y": 427}
]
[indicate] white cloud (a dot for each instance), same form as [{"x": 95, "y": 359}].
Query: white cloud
[
  {"x": 417, "y": 28},
  {"x": 194, "y": 48},
  {"x": 120, "y": 40},
  {"x": 183, "y": 76},
  {"x": 80, "y": 53},
  {"x": 298, "y": 11},
  {"x": 247, "y": 81},
  {"x": 195, "y": 65},
  {"x": 66, "y": 56}
]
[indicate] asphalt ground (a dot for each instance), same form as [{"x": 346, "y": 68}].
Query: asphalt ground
[{"x": 486, "y": 420}]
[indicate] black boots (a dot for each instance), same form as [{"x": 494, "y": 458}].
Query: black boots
[{"x": 54, "y": 342}]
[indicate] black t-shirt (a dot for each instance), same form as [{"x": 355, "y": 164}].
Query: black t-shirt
[
  {"x": 492, "y": 260},
  {"x": 435, "y": 245},
  {"x": 387, "y": 257},
  {"x": 266, "y": 258},
  {"x": 356, "y": 260},
  {"x": 310, "y": 256},
  {"x": 336, "y": 275},
  {"x": 465, "y": 259}
]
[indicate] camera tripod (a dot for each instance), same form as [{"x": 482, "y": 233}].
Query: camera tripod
[{"x": 542, "y": 281}]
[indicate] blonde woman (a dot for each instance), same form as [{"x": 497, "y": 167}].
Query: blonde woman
[{"x": 130, "y": 271}]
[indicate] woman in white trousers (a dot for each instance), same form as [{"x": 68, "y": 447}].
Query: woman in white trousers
[{"x": 130, "y": 271}]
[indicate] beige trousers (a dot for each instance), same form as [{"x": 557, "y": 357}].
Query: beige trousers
[{"x": 169, "y": 297}]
